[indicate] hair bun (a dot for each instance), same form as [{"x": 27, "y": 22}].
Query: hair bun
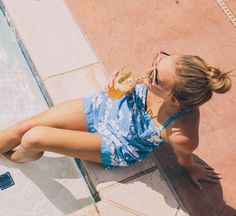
[{"x": 219, "y": 82}]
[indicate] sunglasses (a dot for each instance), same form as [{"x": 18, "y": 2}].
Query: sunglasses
[{"x": 154, "y": 76}]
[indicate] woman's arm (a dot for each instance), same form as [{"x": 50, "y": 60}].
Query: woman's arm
[
  {"x": 183, "y": 148},
  {"x": 184, "y": 140},
  {"x": 184, "y": 155}
]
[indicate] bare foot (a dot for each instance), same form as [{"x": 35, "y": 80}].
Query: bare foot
[
  {"x": 10, "y": 138},
  {"x": 7, "y": 155},
  {"x": 22, "y": 155}
]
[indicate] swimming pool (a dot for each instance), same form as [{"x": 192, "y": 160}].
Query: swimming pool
[{"x": 20, "y": 95}]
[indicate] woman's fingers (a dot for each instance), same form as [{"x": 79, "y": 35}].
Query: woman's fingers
[
  {"x": 214, "y": 176},
  {"x": 115, "y": 73},
  {"x": 212, "y": 172},
  {"x": 113, "y": 77},
  {"x": 197, "y": 183},
  {"x": 210, "y": 180},
  {"x": 132, "y": 84},
  {"x": 111, "y": 83},
  {"x": 208, "y": 167}
]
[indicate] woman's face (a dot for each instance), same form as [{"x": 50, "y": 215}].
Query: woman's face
[{"x": 165, "y": 76}]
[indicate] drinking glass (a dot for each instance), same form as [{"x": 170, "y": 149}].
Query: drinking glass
[{"x": 122, "y": 83}]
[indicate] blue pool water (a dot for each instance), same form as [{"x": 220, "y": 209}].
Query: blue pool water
[{"x": 20, "y": 95}]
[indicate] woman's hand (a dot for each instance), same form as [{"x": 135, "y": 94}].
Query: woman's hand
[
  {"x": 115, "y": 74},
  {"x": 202, "y": 173},
  {"x": 112, "y": 79}
]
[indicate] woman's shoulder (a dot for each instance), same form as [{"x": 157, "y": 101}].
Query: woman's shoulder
[
  {"x": 189, "y": 118},
  {"x": 189, "y": 122}
]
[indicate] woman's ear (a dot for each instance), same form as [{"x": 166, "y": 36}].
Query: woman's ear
[{"x": 175, "y": 102}]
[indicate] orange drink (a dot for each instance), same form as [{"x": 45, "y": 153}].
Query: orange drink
[{"x": 121, "y": 85}]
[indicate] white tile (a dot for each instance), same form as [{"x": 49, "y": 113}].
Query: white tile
[
  {"x": 180, "y": 212},
  {"x": 147, "y": 195},
  {"x": 51, "y": 35},
  {"x": 86, "y": 211},
  {"x": 108, "y": 209},
  {"x": 102, "y": 178},
  {"x": 76, "y": 84},
  {"x": 51, "y": 185}
]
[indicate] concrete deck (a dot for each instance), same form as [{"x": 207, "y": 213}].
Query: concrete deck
[{"x": 131, "y": 32}]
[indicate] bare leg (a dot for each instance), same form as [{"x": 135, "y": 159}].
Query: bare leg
[
  {"x": 72, "y": 143},
  {"x": 67, "y": 115}
]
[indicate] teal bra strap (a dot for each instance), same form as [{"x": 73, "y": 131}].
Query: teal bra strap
[{"x": 173, "y": 117}]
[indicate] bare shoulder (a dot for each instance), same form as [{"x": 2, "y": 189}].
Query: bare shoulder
[{"x": 184, "y": 131}]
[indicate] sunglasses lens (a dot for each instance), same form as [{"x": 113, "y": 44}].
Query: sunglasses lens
[{"x": 157, "y": 59}]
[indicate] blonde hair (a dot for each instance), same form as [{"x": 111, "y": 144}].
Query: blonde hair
[{"x": 196, "y": 81}]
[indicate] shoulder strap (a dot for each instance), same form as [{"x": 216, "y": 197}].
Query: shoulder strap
[{"x": 173, "y": 117}]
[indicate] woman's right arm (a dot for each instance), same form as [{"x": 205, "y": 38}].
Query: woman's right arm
[
  {"x": 184, "y": 143},
  {"x": 196, "y": 171}
]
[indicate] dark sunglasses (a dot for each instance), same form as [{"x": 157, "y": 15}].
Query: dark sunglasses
[{"x": 157, "y": 59}]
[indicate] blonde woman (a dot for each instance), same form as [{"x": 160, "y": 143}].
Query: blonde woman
[{"x": 163, "y": 107}]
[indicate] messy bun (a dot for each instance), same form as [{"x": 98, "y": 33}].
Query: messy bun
[
  {"x": 196, "y": 81},
  {"x": 219, "y": 82}
]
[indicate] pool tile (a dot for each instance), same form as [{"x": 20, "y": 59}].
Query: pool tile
[
  {"x": 53, "y": 39},
  {"x": 76, "y": 83},
  {"x": 111, "y": 209},
  {"x": 102, "y": 178},
  {"x": 89, "y": 210},
  {"x": 180, "y": 212},
  {"x": 51, "y": 185},
  {"x": 147, "y": 195}
]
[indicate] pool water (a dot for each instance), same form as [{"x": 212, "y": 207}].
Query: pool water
[{"x": 20, "y": 95}]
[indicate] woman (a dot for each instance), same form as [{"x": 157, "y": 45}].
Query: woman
[{"x": 163, "y": 107}]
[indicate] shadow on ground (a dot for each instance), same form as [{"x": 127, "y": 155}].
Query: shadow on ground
[
  {"x": 207, "y": 202},
  {"x": 49, "y": 181}
]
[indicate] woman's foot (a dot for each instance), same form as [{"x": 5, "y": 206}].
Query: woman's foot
[
  {"x": 22, "y": 155},
  {"x": 7, "y": 155},
  {"x": 10, "y": 138}
]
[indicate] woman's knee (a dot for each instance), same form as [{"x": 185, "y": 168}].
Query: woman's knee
[{"x": 32, "y": 138}]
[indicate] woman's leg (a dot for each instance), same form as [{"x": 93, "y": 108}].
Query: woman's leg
[
  {"x": 67, "y": 115},
  {"x": 72, "y": 143}
]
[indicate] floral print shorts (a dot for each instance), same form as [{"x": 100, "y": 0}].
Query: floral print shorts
[{"x": 127, "y": 132}]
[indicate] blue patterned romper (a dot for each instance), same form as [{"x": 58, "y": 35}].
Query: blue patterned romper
[{"x": 127, "y": 132}]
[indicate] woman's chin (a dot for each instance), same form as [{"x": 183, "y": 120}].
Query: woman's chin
[{"x": 155, "y": 91}]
